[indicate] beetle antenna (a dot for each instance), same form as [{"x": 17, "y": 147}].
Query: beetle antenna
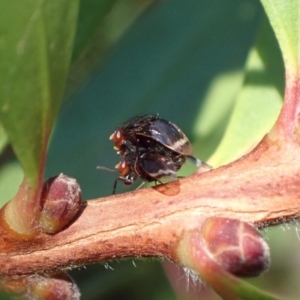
[{"x": 106, "y": 169}]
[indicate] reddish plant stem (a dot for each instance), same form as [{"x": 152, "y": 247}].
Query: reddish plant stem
[
  {"x": 23, "y": 211},
  {"x": 287, "y": 124},
  {"x": 261, "y": 187}
]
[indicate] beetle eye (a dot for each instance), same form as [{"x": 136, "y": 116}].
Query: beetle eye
[
  {"x": 123, "y": 168},
  {"x": 118, "y": 135},
  {"x": 117, "y": 138}
]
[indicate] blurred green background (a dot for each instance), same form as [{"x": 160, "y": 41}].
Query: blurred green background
[
  {"x": 164, "y": 63},
  {"x": 185, "y": 60}
]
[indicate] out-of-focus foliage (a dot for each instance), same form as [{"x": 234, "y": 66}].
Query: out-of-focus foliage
[
  {"x": 258, "y": 101},
  {"x": 164, "y": 63}
]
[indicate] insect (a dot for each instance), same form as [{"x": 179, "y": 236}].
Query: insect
[
  {"x": 152, "y": 148},
  {"x": 152, "y": 132},
  {"x": 149, "y": 166}
]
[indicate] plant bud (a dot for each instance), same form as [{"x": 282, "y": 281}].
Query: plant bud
[
  {"x": 57, "y": 287},
  {"x": 40, "y": 287},
  {"x": 237, "y": 246},
  {"x": 61, "y": 198}
]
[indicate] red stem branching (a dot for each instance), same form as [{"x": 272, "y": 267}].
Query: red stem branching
[
  {"x": 262, "y": 188},
  {"x": 23, "y": 211}
]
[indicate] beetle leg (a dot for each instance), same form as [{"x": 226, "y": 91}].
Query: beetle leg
[
  {"x": 197, "y": 162},
  {"x": 140, "y": 185},
  {"x": 158, "y": 181},
  {"x": 126, "y": 181},
  {"x": 115, "y": 186}
]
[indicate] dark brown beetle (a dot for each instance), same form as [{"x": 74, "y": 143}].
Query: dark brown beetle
[
  {"x": 151, "y": 132},
  {"x": 152, "y": 148}
]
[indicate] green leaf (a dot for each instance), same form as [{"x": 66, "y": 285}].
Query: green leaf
[
  {"x": 11, "y": 176},
  {"x": 3, "y": 139},
  {"x": 285, "y": 17},
  {"x": 247, "y": 291},
  {"x": 216, "y": 110},
  {"x": 258, "y": 102},
  {"x": 35, "y": 49}
]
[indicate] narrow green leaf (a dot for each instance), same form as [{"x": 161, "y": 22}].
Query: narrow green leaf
[
  {"x": 35, "y": 49},
  {"x": 285, "y": 19},
  {"x": 11, "y": 176},
  {"x": 258, "y": 102},
  {"x": 216, "y": 110},
  {"x": 247, "y": 291}
]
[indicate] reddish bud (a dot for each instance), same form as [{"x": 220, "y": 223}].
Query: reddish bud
[
  {"x": 237, "y": 246},
  {"x": 41, "y": 287},
  {"x": 61, "y": 198},
  {"x": 59, "y": 287}
]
